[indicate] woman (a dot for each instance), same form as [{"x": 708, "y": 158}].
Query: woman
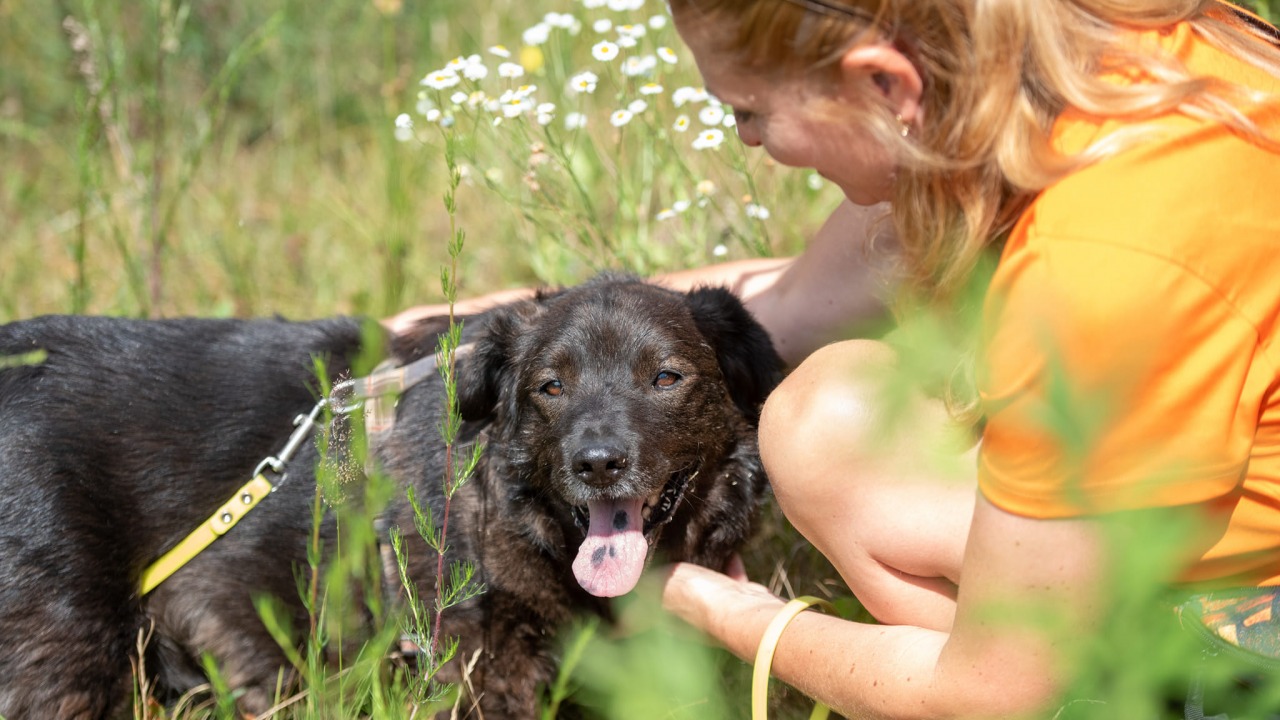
[
  {"x": 1121, "y": 159},
  {"x": 1124, "y": 155}
]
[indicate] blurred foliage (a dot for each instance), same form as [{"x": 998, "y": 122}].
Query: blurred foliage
[{"x": 233, "y": 158}]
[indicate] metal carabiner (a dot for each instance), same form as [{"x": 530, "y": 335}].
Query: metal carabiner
[{"x": 303, "y": 424}]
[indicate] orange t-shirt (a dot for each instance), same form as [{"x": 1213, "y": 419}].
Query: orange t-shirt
[{"x": 1132, "y": 330}]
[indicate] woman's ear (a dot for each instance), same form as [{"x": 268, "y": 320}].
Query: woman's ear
[{"x": 893, "y": 74}]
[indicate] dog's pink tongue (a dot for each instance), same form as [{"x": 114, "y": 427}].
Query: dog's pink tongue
[{"x": 612, "y": 557}]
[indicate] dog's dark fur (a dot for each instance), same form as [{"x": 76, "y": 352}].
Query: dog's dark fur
[{"x": 130, "y": 433}]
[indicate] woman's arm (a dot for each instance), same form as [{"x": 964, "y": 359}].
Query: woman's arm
[
  {"x": 835, "y": 289},
  {"x": 1028, "y": 586},
  {"x": 405, "y": 319}
]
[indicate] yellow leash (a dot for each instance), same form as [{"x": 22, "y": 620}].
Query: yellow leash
[
  {"x": 379, "y": 415},
  {"x": 244, "y": 500},
  {"x": 764, "y": 656},
  {"x": 225, "y": 517}
]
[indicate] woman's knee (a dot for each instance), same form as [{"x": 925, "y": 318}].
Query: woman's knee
[
  {"x": 819, "y": 428},
  {"x": 831, "y": 404},
  {"x": 847, "y": 434}
]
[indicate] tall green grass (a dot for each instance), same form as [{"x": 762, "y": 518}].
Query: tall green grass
[{"x": 236, "y": 158}]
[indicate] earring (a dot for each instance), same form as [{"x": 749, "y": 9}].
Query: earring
[{"x": 904, "y": 128}]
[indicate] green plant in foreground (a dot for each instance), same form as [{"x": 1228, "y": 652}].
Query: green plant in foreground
[{"x": 425, "y": 626}]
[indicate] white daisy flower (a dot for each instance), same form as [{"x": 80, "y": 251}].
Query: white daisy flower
[
  {"x": 458, "y": 98},
  {"x": 537, "y": 35},
  {"x": 602, "y": 26},
  {"x": 625, "y": 5},
  {"x": 627, "y": 41},
  {"x": 604, "y": 51},
  {"x": 708, "y": 139},
  {"x": 546, "y": 107},
  {"x": 729, "y": 121},
  {"x": 500, "y": 50},
  {"x": 545, "y": 119},
  {"x": 667, "y": 55},
  {"x": 688, "y": 94},
  {"x": 756, "y": 211},
  {"x": 564, "y": 21},
  {"x": 680, "y": 205},
  {"x": 584, "y": 82},
  {"x": 575, "y": 120},
  {"x": 510, "y": 70},
  {"x": 681, "y": 124},
  {"x": 650, "y": 88},
  {"x": 424, "y": 104},
  {"x": 516, "y": 106},
  {"x": 404, "y": 128},
  {"x": 475, "y": 71},
  {"x": 657, "y": 22},
  {"x": 814, "y": 181},
  {"x": 456, "y": 64},
  {"x": 433, "y": 115},
  {"x": 620, "y": 118},
  {"x": 526, "y": 90},
  {"x": 635, "y": 31},
  {"x": 664, "y": 214},
  {"x": 720, "y": 250},
  {"x": 637, "y": 106},
  {"x": 593, "y": 4},
  {"x": 705, "y": 187},
  {"x": 441, "y": 79},
  {"x": 635, "y": 66},
  {"x": 711, "y": 115}
]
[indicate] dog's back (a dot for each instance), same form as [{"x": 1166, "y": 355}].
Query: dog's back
[
  {"x": 116, "y": 437},
  {"x": 119, "y": 437}
]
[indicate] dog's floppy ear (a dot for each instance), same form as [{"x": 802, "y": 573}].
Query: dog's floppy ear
[
  {"x": 490, "y": 365},
  {"x": 748, "y": 362}
]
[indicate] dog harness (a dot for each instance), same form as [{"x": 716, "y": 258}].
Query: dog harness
[{"x": 377, "y": 394}]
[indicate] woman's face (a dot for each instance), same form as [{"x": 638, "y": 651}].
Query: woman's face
[{"x": 797, "y": 120}]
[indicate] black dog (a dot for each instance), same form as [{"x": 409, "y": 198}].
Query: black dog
[{"x": 619, "y": 420}]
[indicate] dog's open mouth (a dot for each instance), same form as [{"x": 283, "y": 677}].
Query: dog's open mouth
[{"x": 613, "y": 555}]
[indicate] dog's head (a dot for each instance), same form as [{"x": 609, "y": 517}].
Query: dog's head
[{"x": 613, "y": 397}]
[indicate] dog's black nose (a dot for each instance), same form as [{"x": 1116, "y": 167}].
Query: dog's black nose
[{"x": 599, "y": 464}]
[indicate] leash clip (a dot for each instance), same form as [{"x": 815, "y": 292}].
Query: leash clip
[{"x": 303, "y": 425}]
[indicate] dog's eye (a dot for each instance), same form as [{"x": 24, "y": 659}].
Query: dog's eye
[
  {"x": 552, "y": 388},
  {"x": 666, "y": 379}
]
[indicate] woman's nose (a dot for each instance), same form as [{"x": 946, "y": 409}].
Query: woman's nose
[{"x": 748, "y": 134}]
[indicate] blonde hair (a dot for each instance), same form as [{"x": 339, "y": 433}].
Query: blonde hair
[{"x": 997, "y": 74}]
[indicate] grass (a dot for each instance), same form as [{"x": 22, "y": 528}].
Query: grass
[
  {"x": 232, "y": 158},
  {"x": 239, "y": 159}
]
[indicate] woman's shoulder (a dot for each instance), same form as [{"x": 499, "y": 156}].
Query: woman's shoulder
[
  {"x": 1183, "y": 162},
  {"x": 1180, "y": 189}
]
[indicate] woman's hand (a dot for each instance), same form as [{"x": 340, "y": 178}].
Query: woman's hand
[{"x": 716, "y": 603}]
